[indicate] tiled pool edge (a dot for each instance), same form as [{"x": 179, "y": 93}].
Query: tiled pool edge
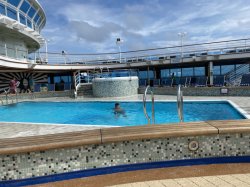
[
  {"x": 123, "y": 168},
  {"x": 126, "y": 149}
]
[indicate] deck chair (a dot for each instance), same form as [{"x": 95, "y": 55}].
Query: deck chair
[
  {"x": 201, "y": 82},
  {"x": 182, "y": 81},
  {"x": 245, "y": 80},
  {"x": 167, "y": 82},
  {"x": 157, "y": 82},
  {"x": 193, "y": 81},
  {"x": 219, "y": 80}
]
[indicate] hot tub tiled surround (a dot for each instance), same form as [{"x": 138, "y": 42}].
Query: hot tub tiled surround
[
  {"x": 29, "y": 157},
  {"x": 115, "y": 86}
]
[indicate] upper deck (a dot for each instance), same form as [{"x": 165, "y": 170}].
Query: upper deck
[{"x": 222, "y": 52}]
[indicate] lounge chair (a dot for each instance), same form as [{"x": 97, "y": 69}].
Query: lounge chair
[
  {"x": 219, "y": 80},
  {"x": 167, "y": 82},
  {"x": 245, "y": 80}
]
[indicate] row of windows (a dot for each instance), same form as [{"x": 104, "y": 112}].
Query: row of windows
[
  {"x": 26, "y": 14},
  {"x": 189, "y": 72}
]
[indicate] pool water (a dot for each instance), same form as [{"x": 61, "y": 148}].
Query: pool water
[{"x": 101, "y": 113}]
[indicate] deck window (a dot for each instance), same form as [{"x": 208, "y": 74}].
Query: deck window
[
  {"x": 2, "y": 9},
  {"x": 177, "y": 72},
  {"x": 11, "y": 13},
  {"x": 22, "y": 19},
  {"x": 165, "y": 73},
  {"x": 216, "y": 70},
  {"x": 31, "y": 12},
  {"x": 25, "y": 7},
  {"x": 143, "y": 74},
  {"x": 199, "y": 71},
  {"x": 29, "y": 24},
  {"x": 36, "y": 18},
  {"x": 14, "y": 2},
  {"x": 187, "y": 72}
]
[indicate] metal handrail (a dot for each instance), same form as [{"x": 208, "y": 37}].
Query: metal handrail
[
  {"x": 180, "y": 103},
  {"x": 77, "y": 82},
  {"x": 144, "y": 105}
]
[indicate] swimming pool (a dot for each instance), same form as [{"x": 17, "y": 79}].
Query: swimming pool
[{"x": 101, "y": 113}]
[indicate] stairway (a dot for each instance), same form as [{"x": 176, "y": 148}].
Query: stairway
[
  {"x": 85, "y": 90},
  {"x": 234, "y": 76}
]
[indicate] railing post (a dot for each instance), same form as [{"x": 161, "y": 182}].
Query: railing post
[
  {"x": 6, "y": 52},
  {"x": 180, "y": 103}
]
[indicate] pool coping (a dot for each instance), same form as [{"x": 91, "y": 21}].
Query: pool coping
[{"x": 119, "y": 134}]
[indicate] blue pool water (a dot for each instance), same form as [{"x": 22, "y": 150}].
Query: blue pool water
[{"x": 101, "y": 113}]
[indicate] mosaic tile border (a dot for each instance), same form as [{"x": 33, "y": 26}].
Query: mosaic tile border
[{"x": 44, "y": 163}]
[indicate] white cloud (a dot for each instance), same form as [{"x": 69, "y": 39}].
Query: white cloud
[{"x": 93, "y": 26}]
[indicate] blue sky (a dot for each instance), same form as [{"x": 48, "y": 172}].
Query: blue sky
[{"x": 92, "y": 26}]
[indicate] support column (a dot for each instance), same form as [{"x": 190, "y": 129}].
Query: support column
[
  {"x": 157, "y": 73},
  {"x": 148, "y": 79},
  {"x": 210, "y": 73}
]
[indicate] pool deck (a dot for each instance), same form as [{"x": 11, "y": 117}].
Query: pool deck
[
  {"x": 12, "y": 130},
  {"x": 237, "y": 175},
  {"x": 211, "y": 175}
]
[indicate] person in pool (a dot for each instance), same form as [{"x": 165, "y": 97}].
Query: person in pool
[{"x": 118, "y": 110}]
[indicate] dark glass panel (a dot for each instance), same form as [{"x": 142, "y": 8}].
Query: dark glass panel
[
  {"x": 29, "y": 24},
  {"x": 22, "y": 19},
  {"x": 25, "y": 7},
  {"x": 14, "y": 2},
  {"x": 11, "y": 13},
  {"x": 199, "y": 71},
  {"x": 2, "y": 9},
  {"x": 31, "y": 12}
]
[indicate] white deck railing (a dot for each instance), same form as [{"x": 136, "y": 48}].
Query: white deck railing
[{"x": 173, "y": 52}]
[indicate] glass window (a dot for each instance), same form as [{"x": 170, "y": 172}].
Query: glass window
[
  {"x": 29, "y": 24},
  {"x": 11, "y": 13},
  {"x": 25, "y": 7},
  {"x": 216, "y": 70},
  {"x": 31, "y": 12},
  {"x": 187, "y": 72},
  {"x": 165, "y": 73},
  {"x": 22, "y": 19},
  {"x": 177, "y": 72},
  {"x": 199, "y": 71},
  {"x": 2, "y": 9},
  {"x": 65, "y": 79},
  {"x": 36, "y": 18},
  {"x": 227, "y": 68},
  {"x": 14, "y": 2},
  {"x": 143, "y": 75},
  {"x": 39, "y": 21}
]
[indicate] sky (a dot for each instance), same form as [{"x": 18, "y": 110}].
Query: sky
[{"x": 92, "y": 26}]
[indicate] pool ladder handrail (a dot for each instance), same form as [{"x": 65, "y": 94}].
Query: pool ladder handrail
[
  {"x": 144, "y": 105},
  {"x": 180, "y": 103},
  {"x": 7, "y": 97}
]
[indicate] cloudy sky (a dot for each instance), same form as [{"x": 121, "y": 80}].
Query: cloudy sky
[{"x": 92, "y": 26}]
